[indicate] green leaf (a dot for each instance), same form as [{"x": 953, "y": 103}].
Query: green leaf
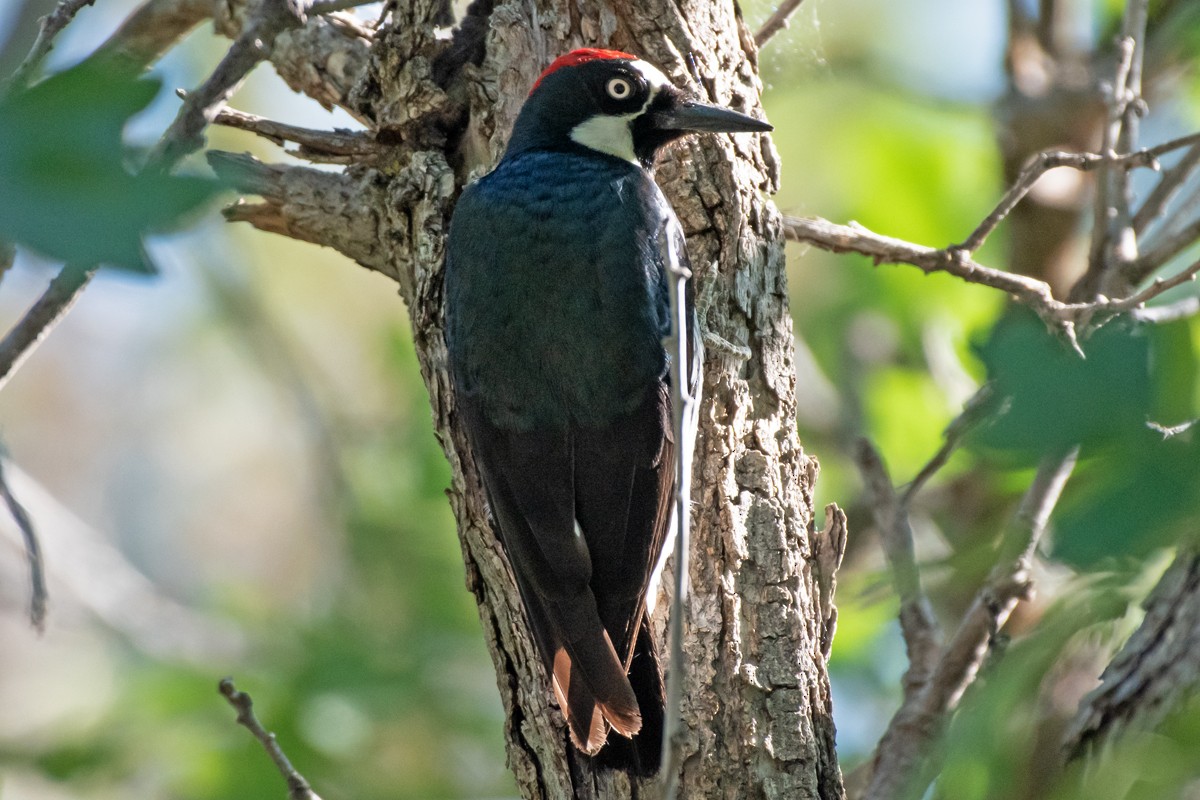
[
  {"x": 1056, "y": 398},
  {"x": 65, "y": 190},
  {"x": 1137, "y": 494}
]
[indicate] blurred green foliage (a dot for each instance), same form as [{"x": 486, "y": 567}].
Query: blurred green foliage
[{"x": 66, "y": 189}]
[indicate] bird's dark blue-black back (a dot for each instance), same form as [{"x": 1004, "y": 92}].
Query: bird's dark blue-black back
[{"x": 558, "y": 256}]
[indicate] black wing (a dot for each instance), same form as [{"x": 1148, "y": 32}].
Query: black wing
[{"x": 582, "y": 499}]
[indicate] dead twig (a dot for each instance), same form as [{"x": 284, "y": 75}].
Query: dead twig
[
  {"x": 253, "y": 45},
  {"x": 1070, "y": 320},
  {"x": 1170, "y": 312},
  {"x": 1114, "y": 240},
  {"x": 41, "y": 317},
  {"x": 1166, "y": 249},
  {"x": 1041, "y": 163},
  {"x": 922, "y": 639},
  {"x": 776, "y": 22},
  {"x": 298, "y": 788},
  {"x": 154, "y": 28},
  {"x": 1157, "y": 286},
  {"x": 978, "y": 408},
  {"x": 319, "y": 146},
  {"x": 51, "y": 25},
  {"x": 1166, "y": 189},
  {"x": 33, "y": 551},
  {"x": 329, "y": 6}
]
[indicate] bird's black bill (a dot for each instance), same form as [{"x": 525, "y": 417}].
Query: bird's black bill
[{"x": 691, "y": 116}]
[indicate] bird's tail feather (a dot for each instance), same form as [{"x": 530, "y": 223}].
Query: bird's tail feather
[
  {"x": 594, "y": 692},
  {"x": 642, "y": 755}
]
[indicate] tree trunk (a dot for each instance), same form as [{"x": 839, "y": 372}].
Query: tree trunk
[{"x": 757, "y": 713}]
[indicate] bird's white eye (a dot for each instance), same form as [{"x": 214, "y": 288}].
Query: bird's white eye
[{"x": 619, "y": 89}]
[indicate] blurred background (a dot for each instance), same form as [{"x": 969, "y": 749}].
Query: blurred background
[{"x": 233, "y": 469}]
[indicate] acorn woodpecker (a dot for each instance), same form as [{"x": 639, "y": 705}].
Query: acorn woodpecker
[{"x": 556, "y": 309}]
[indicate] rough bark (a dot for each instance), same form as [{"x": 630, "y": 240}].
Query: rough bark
[
  {"x": 757, "y": 706},
  {"x": 1155, "y": 673}
]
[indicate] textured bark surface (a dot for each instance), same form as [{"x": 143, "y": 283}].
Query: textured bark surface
[
  {"x": 1157, "y": 671},
  {"x": 757, "y": 705}
]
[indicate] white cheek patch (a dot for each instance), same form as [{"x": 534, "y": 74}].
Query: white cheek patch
[
  {"x": 608, "y": 134},
  {"x": 612, "y": 133}
]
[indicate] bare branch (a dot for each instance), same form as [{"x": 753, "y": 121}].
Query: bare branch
[
  {"x": 33, "y": 551},
  {"x": 335, "y": 209},
  {"x": 337, "y": 146},
  {"x": 854, "y": 238},
  {"x": 1166, "y": 189},
  {"x": 94, "y": 577},
  {"x": 1170, "y": 246},
  {"x": 1041, "y": 163},
  {"x": 1068, "y": 319},
  {"x": 979, "y": 407},
  {"x": 1171, "y": 312},
  {"x": 51, "y": 25},
  {"x": 41, "y": 317},
  {"x": 325, "y": 59},
  {"x": 901, "y": 764},
  {"x": 270, "y": 18},
  {"x": 922, "y": 640},
  {"x": 776, "y": 22},
  {"x": 1114, "y": 241},
  {"x": 1157, "y": 287},
  {"x": 298, "y": 788},
  {"x": 685, "y": 380},
  {"x": 330, "y": 6},
  {"x": 153, "y": 29}
]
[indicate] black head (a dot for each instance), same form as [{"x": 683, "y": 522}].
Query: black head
[{"x": 614, "y": 103}]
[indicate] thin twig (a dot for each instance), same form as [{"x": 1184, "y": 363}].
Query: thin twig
[
  {"x": 684, "y": 386},
  {"x": 1157, "y": 287},
  {"x": 1171, "y": 431},
  {"x": 1166, "y": 249},
  {"x": 1041, "y": 163},
  {"x": 854, "y": 238},
  {"x": 184, "y": 136},
  {"x": 1171, "y": 312},
  {"x": 52, "y": 25},
  {"x": 298, "y": 788},
  {"x": 1114, "y": 240},
  {"x": 41, "y": 317},
  {"x": 1068, "y": 319},
  {"x": 1110, "y": 183},
  {"x": 153, "y": 29},
  {"x": 315, "y": 145},
  {"x": 975, "y": 410},
  {"x": 33, "y": 552},
  {"x": 1166, "y": 189},
  {"x": 329, "y": 6},
  {"x": 922, "y": 639},
  {"x": 776, "y": 22}
]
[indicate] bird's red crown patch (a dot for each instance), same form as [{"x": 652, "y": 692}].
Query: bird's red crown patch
[{"x": 577, "y": 57}]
